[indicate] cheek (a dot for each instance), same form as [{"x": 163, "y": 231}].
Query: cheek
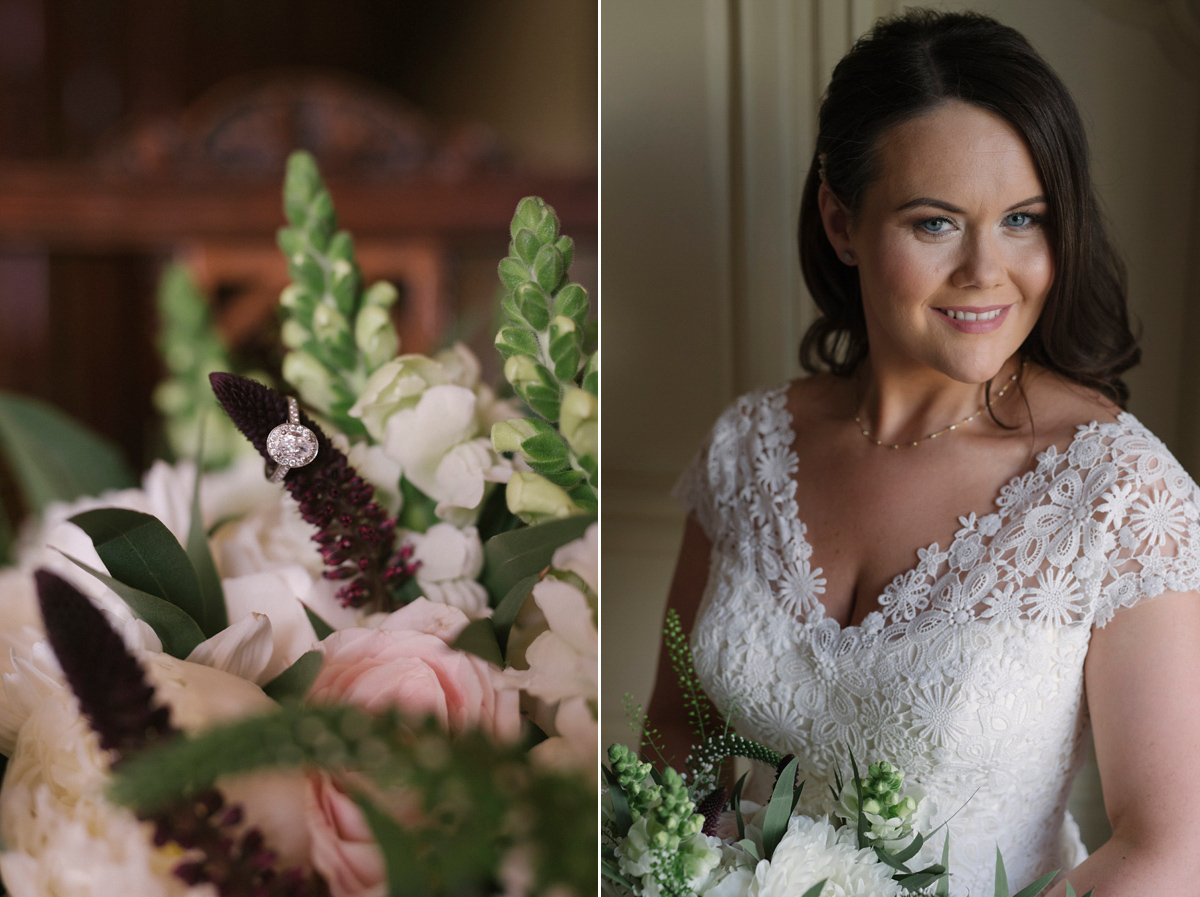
[
  {"x": 1032, "y": 270},
  {"x": 902, "y": 271}
]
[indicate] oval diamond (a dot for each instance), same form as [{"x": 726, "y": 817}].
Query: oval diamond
[{"x": 292, "y": 445}]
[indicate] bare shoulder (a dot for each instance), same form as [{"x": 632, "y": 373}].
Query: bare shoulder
[
  {"x": 1058, "y": 405},
  {"x": 820, "y": 397}
]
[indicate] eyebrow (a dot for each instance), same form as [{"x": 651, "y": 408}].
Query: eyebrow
[{"x": 945, "y": 206}]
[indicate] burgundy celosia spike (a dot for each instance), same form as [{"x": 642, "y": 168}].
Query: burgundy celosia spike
[
  {"x": 710, "y": 808},
  {"x": 354, "y": 533},
  {"x": 108, "y": 681}
]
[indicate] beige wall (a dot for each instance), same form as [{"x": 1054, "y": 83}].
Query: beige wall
[{"x": 708, "y": 111}]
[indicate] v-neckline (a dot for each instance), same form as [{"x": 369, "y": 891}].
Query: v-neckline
[{"x": 877, "y": 619}]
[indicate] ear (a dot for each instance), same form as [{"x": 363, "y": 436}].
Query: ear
[{"x": 836, "y": 218}]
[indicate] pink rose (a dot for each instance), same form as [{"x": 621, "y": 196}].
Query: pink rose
[
  {"x": 342, "y": 847},
  {"x": 406, "y": 662}
]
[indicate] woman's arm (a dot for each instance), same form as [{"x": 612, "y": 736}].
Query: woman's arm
[
  {"x": 667, "y": 713},
  {"x": 1142, "y": 677}
]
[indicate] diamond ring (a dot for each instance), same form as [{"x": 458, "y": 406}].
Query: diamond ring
[{"x": 291, "y": 444}]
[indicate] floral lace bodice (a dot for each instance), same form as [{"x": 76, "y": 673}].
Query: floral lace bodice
[{"x": 970, "y": 675}]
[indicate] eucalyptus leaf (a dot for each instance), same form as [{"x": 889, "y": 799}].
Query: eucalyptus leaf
[
  {"x": 779, "y": 808},
  {"x": 479, "y": 638},
  {"x": 1001, "y": 876},
  {"x": 943, "y": 885},
  {"x": 751, "y": 848},
  {"x": 505, "y": 614},
  {"x": 624, "y": 818},
  {"x": 514, "y": 555},
  {"x": 53, "y": 458},
  {"x": 320, "y": 627},
  {"x": 141, "y": 552},
  {"x": 212, "y": 596},
  {"x": 815, "y": 890},
  {"x": 613, "y": 873},
  {"x": 1032, "y": 890},
  {"x": 735, "y": 801},
  {"x": 177, "y": 631},
  {"x": 907, "y": 853},
  {"x": 922, "y": 879},
  {"x": 294, "y": 682},
  {"x": 862, "y": 817}
]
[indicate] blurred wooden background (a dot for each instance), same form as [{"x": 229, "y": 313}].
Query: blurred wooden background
[{"x": 135, "y": 131}]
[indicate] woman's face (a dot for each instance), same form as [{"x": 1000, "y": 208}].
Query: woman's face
[{"x": 953, "y": 257}]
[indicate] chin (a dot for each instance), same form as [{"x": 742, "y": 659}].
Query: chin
[{"x": 977, "y": 369}]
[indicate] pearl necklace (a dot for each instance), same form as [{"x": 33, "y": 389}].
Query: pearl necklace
[{"x": 965, "y": 420}]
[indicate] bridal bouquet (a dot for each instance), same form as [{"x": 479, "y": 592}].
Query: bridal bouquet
[
  {"x": 667, "y": 833},
  {"x": 372, "y": 670}
]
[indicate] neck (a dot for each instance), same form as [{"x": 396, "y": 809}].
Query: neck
[{"x": 905, "y": 404}]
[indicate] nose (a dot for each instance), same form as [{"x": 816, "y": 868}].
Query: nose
[{"x": 981, "y": 266}]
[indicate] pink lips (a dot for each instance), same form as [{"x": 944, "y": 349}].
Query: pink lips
[{"x": 974, "y": 326}]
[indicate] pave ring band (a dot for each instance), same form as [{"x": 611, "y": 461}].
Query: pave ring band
[{"x": 291, "y": 445}]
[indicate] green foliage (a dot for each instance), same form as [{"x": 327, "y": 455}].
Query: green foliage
[
  {"x": 191, "y": 349},
  {"x": 479, "y": 801},
  {"x": 52, "y": 458},
  {"x": 546, "y": 362},
  {"x": 176, "y": 630},
  {"x": 141, "y": 552},
  {"x": 336, "y": 333},
  {"x": 779, "y": 807},
  {"x": 294, "y": 682},
  {"x": 512, "y": 556}
]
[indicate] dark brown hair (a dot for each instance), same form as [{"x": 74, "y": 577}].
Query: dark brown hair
[{"x": 909, "y": 65}]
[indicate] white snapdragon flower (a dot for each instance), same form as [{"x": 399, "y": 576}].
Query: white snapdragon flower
[
  {"x": 441, "y": 450},
  {"x": 562, "y": 661},
  {"x": 449, "y": 561},
  {"x": 396, "y": 384}
]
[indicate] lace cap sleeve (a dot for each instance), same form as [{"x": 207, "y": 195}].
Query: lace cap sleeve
[
  {"x": 709, "y": 483},
  {"x": 1153, "y": 532}
]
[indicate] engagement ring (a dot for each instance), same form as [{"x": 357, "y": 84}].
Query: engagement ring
[{"x": 291, "y": 444}]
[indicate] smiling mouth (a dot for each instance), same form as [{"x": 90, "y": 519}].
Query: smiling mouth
[{"x": 963, "y": 315}]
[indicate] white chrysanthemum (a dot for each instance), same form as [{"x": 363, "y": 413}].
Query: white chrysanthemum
[{"x": 812, "y": 850}]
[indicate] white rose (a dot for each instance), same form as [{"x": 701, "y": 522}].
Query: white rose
[{"x": 449, "y": 561}]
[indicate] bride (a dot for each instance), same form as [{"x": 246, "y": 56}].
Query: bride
[{"x": 950, "y": 547}]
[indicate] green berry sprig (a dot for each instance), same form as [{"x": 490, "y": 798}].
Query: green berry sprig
[
  {"x": 336, "y": 333},
  {"x": 549, "y": 367}
]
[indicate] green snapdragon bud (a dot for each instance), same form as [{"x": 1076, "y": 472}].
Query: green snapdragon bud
[
  {"x": 579, "y": 421},
  {"x": 534, "y": 498},
  {"x": 520, "y": 370},
  {"x": 375, "y": 335},
  {"x": 311, "y": 379},
  {"x": 507, "y": 435}
]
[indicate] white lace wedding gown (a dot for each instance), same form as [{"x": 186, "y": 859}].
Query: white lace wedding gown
[{"x": 970, "y": 677}]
